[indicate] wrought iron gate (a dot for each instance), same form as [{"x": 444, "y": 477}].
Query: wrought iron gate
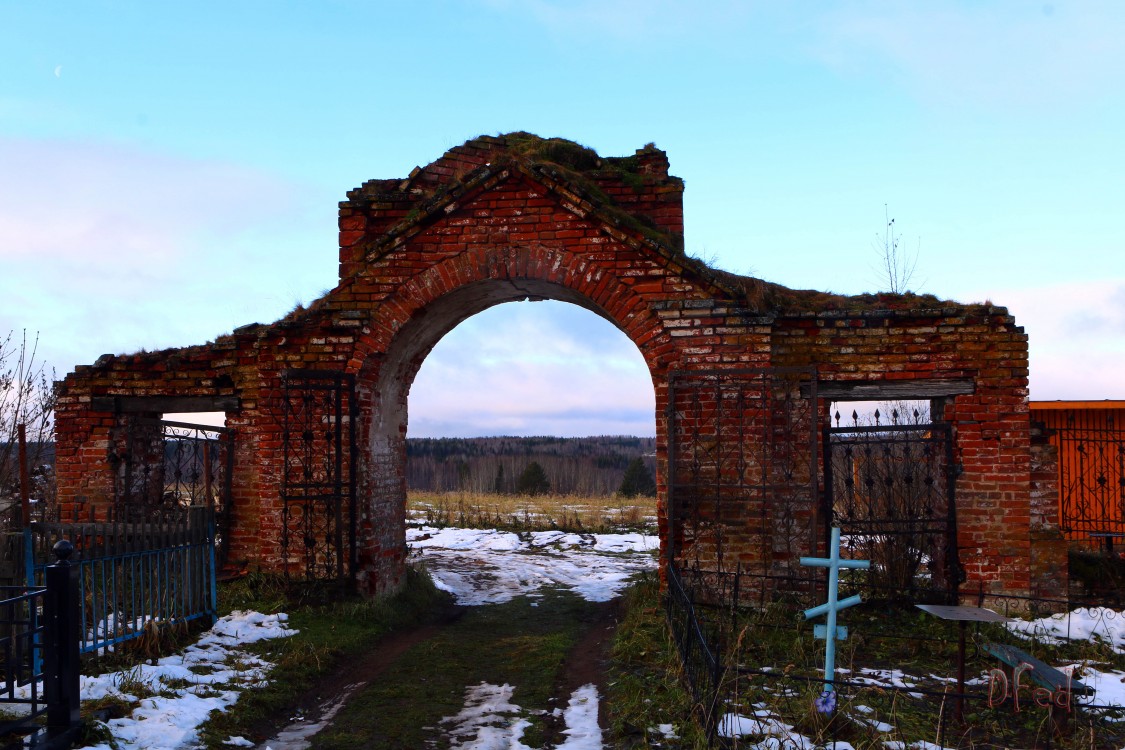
[
  {"x": 318, "y": 476},
  {"x": 163, "y": 467},
  {"x": 742, "y": 448},
  {"x": 890, "y": 490},
  {"x": 1091, "y": 477}
]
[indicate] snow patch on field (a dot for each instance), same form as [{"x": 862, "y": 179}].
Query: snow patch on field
[
  {"x": 486, "y": 566},
  {"x": 1096, "y": 624}
]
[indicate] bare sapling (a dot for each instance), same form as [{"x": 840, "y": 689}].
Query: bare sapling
[{"x": 27, "y": 402}]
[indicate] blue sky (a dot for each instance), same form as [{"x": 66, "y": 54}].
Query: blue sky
[{"x": 171, "y": 171}]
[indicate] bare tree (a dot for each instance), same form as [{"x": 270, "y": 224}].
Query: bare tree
[
  {"x": 896, "y": 265},
  {"x": 26, "y": 398}
]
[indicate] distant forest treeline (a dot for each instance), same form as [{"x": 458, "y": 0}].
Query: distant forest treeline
[{"x": 574, "y": 466}]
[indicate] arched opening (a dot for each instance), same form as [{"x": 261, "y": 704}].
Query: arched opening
[
  {"x": 544, "y": 383},
  {"x": 385, "y": 382},
  {"x": 533, "y": 368}
]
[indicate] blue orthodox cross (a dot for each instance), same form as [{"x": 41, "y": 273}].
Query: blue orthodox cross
[{"x": 833, "y": 605}]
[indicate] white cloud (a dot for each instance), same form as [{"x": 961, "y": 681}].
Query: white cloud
[
  {"x": 107, "y": 248},
  {"x": 1076, "y": 337},
  {"x": 533, "y": 369},
  {"x": 95, "y": 204},
  {"x": 1003, "y": 53}
]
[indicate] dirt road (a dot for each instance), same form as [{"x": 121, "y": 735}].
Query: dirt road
[{"x": 523, "y": 674}]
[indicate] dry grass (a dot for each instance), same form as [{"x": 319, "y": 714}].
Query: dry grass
[{"x": 533, "y": 513}]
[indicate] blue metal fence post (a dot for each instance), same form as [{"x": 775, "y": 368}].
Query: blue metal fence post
[
  {"x": 61, "y": 665},
  {"x": 29, "y": 557}
]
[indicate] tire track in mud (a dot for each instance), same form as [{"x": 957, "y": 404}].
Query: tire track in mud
[{"x": 519, "y": 663}]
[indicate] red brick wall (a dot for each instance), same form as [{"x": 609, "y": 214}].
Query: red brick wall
[
  {"x": 1049, "y": 561},
  {"x": 992, "y": 429},
  {"x": 417, "y": 256}
]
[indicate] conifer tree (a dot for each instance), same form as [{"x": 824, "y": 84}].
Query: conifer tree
[
  {"x": 533, "y": 480},
  {"x": 637, "y": 480}
]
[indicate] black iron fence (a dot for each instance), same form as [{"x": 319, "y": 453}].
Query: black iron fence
[
  {"x": 742, "y": 467},
  {"x": 162, "y": 467},
  {"x": 755, "y": 667},
  {"x": 318, "y": 482},
  {"x": 889, "y": 488},
  {"x": 39, "y": 630},
  {"x": 703, "y": 669},
  {"x": 21, "y": 622},
  {"x": 134, "y": 578}
]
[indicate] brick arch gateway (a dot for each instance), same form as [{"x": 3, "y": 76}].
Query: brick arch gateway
[{"x": 743, "y": 371}]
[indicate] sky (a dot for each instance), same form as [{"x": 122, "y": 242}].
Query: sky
[{"x": 170, "y": 171}]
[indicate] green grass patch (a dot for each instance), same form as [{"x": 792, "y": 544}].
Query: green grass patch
[
  {"x": 332, "y": 629},
  {"x": 899, "y": 639},
  {"x": 523, "y": 643},
  {"x": 645, "y": 690}
]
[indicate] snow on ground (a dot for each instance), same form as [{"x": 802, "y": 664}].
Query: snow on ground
[
  {"x": 1084, "y": 624},
  {"x": 490, "y": 721},
  {"x": 490, "y": 566},
  {"x": 765, "y": 723},
  {"x": 1094, "y": 624},
  {"x": 892, "y": 678},
  {"x": 581, "y": 719},
  {"x": 1110, "y": 685},
  {"x": 206, "y": 676},
  {"x": 486, "y": 566},
  {"x": 477, "y": 566}
]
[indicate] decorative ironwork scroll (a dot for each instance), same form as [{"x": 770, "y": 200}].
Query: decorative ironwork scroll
[
  {"x": 162, "y": 467},
  {"x": 1091, "y": 476}
]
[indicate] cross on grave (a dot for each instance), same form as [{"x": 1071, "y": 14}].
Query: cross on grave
[{"x": 831, "y": 607}]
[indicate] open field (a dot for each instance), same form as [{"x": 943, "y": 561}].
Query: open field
[{"x": 605, "y": 513}]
